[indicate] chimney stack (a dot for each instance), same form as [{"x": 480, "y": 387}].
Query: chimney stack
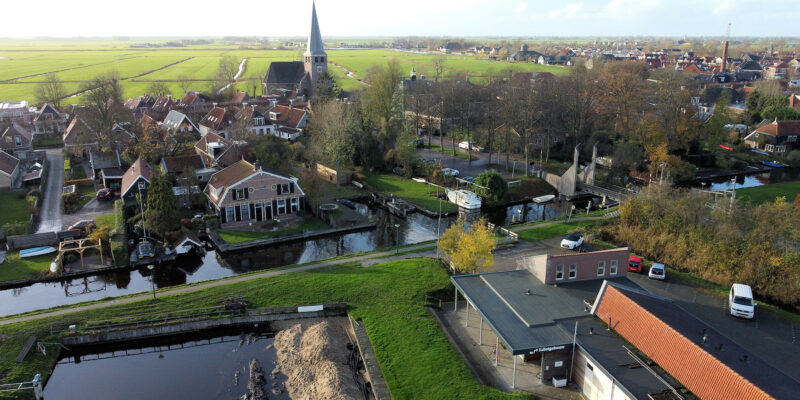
[{"x": 724, "y": 56}]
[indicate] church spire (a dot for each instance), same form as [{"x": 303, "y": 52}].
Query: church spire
[{"x": 314, "y": 37}]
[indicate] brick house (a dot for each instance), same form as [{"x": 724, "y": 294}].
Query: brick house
[
  {"x": 15, "y": 138},
  {"x": 49, "y": 121},
  {"x": 243, "y": 193},
  {"x": 79, "y": 139},
  {"x": 779, "y": 137},
  {"x": 573, "y": 267},
  {"x": 136, "y": 180}
]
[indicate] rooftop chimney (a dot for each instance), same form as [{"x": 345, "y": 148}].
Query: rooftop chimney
[{"x": 724, "y": 56}]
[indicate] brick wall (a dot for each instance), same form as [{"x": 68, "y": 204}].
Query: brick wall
[{"x": 546, "y": 267}]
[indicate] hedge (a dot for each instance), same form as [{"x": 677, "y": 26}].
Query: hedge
[{"x": 119, "y": 236}]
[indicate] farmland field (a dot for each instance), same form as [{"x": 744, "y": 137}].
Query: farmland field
[{"x": 24, "y": 64}]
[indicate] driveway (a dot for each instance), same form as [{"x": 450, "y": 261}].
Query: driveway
[
  {"x": 50, "y": 209},
  {"x": 478, "y": 165},
  {"x": 89, "y": 211},
  {"x": 772, "y": 338}
]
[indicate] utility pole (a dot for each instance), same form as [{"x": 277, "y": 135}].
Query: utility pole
[{"x": 733, "y": 195}]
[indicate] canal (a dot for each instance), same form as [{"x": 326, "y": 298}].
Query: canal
[
  {"x": 413, "y": 229},
  {"x": 213, "y": 365}
]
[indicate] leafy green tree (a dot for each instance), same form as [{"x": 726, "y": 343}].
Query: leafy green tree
[
  {"x": 491, "y": 186},
  {"x": 273, "y": 152},
  {"x": 162, "y": 214}
]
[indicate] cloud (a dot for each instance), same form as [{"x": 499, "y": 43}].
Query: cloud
[
  {"x": 569, "y": 10},
  {"x": 628, "y": 8},
  {"x": 521, "y": 7}
]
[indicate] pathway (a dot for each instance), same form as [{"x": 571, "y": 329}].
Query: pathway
[{"x": 51, "y": 218}]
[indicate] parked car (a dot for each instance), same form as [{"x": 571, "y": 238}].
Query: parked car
[
  {"x": 740, "y": 301},
  {"x": 418, "y": 143},
  {"x": 635, "y": 264},
  {"x": 105, "y": 194},
  {"x": 145, "y": 250},
  {"x": 449, "y": 172},
  {"x": 470, "y": 179},
  {"x": 657, "y": 271},
  {"x": 572, "y": 241},
  {"x": 466, "y": 145},
  {"x": 81, "y": 225}
]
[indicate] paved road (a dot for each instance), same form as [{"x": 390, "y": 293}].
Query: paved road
[
  {"x": 774, "y": 339},
  {"x": 50, "y": 217}
]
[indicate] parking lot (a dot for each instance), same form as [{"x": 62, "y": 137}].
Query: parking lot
[{"x": 772, "y": 338}]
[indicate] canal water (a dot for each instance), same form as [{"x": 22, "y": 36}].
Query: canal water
[
  {"x": 776, "y": 175},
  {"x": 414, "y": 229},
  {"x": 212, "y": 365}
]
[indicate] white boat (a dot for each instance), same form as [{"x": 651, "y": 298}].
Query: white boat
[
  {"x": 544, "y": 199},
  {"x": 464, "y": 199},
  {"x": 36, "y": 251}
]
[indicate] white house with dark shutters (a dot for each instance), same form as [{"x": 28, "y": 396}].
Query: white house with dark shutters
[{"x": 245, "y": 195}]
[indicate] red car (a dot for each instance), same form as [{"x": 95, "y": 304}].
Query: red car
[
  {"x": 635, "y": 264},
  {"x": 104, "y": 194}
]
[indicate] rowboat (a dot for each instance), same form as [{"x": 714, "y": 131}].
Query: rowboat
[
  {"x": 544, "y": 199},
  {"x": 36, "y": 251}
]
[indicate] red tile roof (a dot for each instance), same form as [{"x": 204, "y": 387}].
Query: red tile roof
[
  {"x": 215, "y": 119},
  {"x": 289, "y": 116},
  {"x": 8, "y": 163},
  {"x": 239, "y": 97},
  {"x": 140, "y": 168},
  {"x": 781, "y": 128}
]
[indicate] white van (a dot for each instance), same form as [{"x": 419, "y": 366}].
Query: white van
[{"x": 740, "y": 301}]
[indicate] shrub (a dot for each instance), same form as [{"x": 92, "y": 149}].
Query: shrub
[
  {"x": 16, "y": 228},
  {"x": 491, "y": 186},
  {"x": 794, "y": 157}
]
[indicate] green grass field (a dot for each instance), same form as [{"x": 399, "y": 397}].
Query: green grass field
[
  {"x": 768, "y": 193},
  {"x": 415, "y": 356},
  {"x": 15, "y": 268},
  {"x": 415, "y": 192},
  {"x": 555, "y": 230},
  {"x": 23, "y": 65},
  {"x": 15, "y": 209},
  {"x": 232, "y": 236}
]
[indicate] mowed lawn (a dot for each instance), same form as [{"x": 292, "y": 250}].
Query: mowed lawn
[
  {"x": 407, "y": 189},
  {"x": 15, "y": 268},
  {"x": 768, "y": 193},
  {"x": 414, "y": 354},
  {"x": 15, "y": 209},
  {"x": 554, "y": 230}
]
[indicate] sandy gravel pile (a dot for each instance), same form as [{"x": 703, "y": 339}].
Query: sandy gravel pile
[{"x": 313, "y": 356}]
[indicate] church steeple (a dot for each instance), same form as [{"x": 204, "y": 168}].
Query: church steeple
[
  {"x": 315, "y": 58},
  {"x": 314, "y": 37}
]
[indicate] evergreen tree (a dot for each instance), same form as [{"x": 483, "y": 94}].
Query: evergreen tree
[{"x": 162, "y": 214}]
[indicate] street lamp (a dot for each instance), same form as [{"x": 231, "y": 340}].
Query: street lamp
[
  {"x": 152, "y": 267},
  {"x": 396, "y": 239}
]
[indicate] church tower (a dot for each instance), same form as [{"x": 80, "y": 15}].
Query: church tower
[{"x": 315, "y": 58}]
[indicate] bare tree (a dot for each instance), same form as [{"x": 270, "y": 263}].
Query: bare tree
[
  {"x": 158, "y": 88},
  {"x": 184, "y": 83},
  {"x": 51, "y": 90},
  {"x": 104, "y": 106},
  {"x": 334, "y": 132},
  {"x": 223, "y": 84}
]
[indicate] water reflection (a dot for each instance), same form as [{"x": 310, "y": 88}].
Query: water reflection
[{"x": 414, "y": 229}]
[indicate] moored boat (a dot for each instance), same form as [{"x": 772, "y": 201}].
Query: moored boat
[
  {"x": 544, "y": 199},
  {"x": 36, "y": 251}
]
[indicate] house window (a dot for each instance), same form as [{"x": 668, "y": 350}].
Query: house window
[
  {"x": 230, "y": 214},
  {"x": 239, "y": 194},
  {"x": 612, "y": 268},
  {"x": 559, "y": 272},
  {"x": 17, "y": 140},
  {"x": 601, "y": 268},
  {"x": 245, "y": 210},
  {"x": 769, "y": 147},
  {"x": 141, "y": 185},
  {"x": 573, "y": 271},
  {"x": 281, "y": 206},
  {"x": 284, "y": 188},
  {"x": 295, "y": 204},
  {"x": 791, "y": 139}
]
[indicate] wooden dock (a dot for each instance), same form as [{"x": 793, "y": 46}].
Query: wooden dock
[{"x": 26, "y": 349}]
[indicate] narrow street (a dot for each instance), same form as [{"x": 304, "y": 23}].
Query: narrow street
[{"x": 50, "y": 217}]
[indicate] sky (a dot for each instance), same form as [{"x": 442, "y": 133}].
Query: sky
[{"x": 364, "y": 18}]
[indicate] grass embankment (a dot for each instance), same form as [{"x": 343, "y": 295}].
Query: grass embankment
[
  {"x": 555, "y": 230},
  {"x": 15, "y": 268},
  {"x": 417, "y": 359},
  {"x": 407, "y": 189},
  {"x": 768, "y": 193},
  {"x": 232, "y": 236},
  {"x": 15, "y": 208}
]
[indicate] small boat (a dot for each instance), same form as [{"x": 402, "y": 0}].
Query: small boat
[
  {"x": 464, "y": 199},
  {"x": 773, "y": 164},
  {"x": 348, "y": 203},
  {"x": 544, "y": 199},
  {"x": 36, "y": 251},
  {"x": 420, "y": 180}
]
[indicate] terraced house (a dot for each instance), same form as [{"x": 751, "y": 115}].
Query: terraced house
[{"x": 245, "y": 194}]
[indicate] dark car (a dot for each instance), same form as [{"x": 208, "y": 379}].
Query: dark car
[{"x": 105, "y": 194}]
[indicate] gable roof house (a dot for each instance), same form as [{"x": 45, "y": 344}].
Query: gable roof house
[
  {"x": 100, "y": 161},
  {"x": 79, "y": 138},
  {"x": 217, "y": 120},
  {"x": 15, "y": 138},
  {"x": 778, "y": 137},
  {"x": 778, "y": 70},
  {"x": 178, "y": 122},
  {"x": 289, "y": 121},
  {"x": 174, "y": 166},
  {"x": 135, "y": 181},
  {"x": 49, "y": 121},
  {"x": 254, "y": 121},
  {"x": 244, "y": 194},
  {"x": 9, "y": 170}
]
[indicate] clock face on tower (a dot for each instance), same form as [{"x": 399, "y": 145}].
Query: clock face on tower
[{"x": 319, "y": 69}]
